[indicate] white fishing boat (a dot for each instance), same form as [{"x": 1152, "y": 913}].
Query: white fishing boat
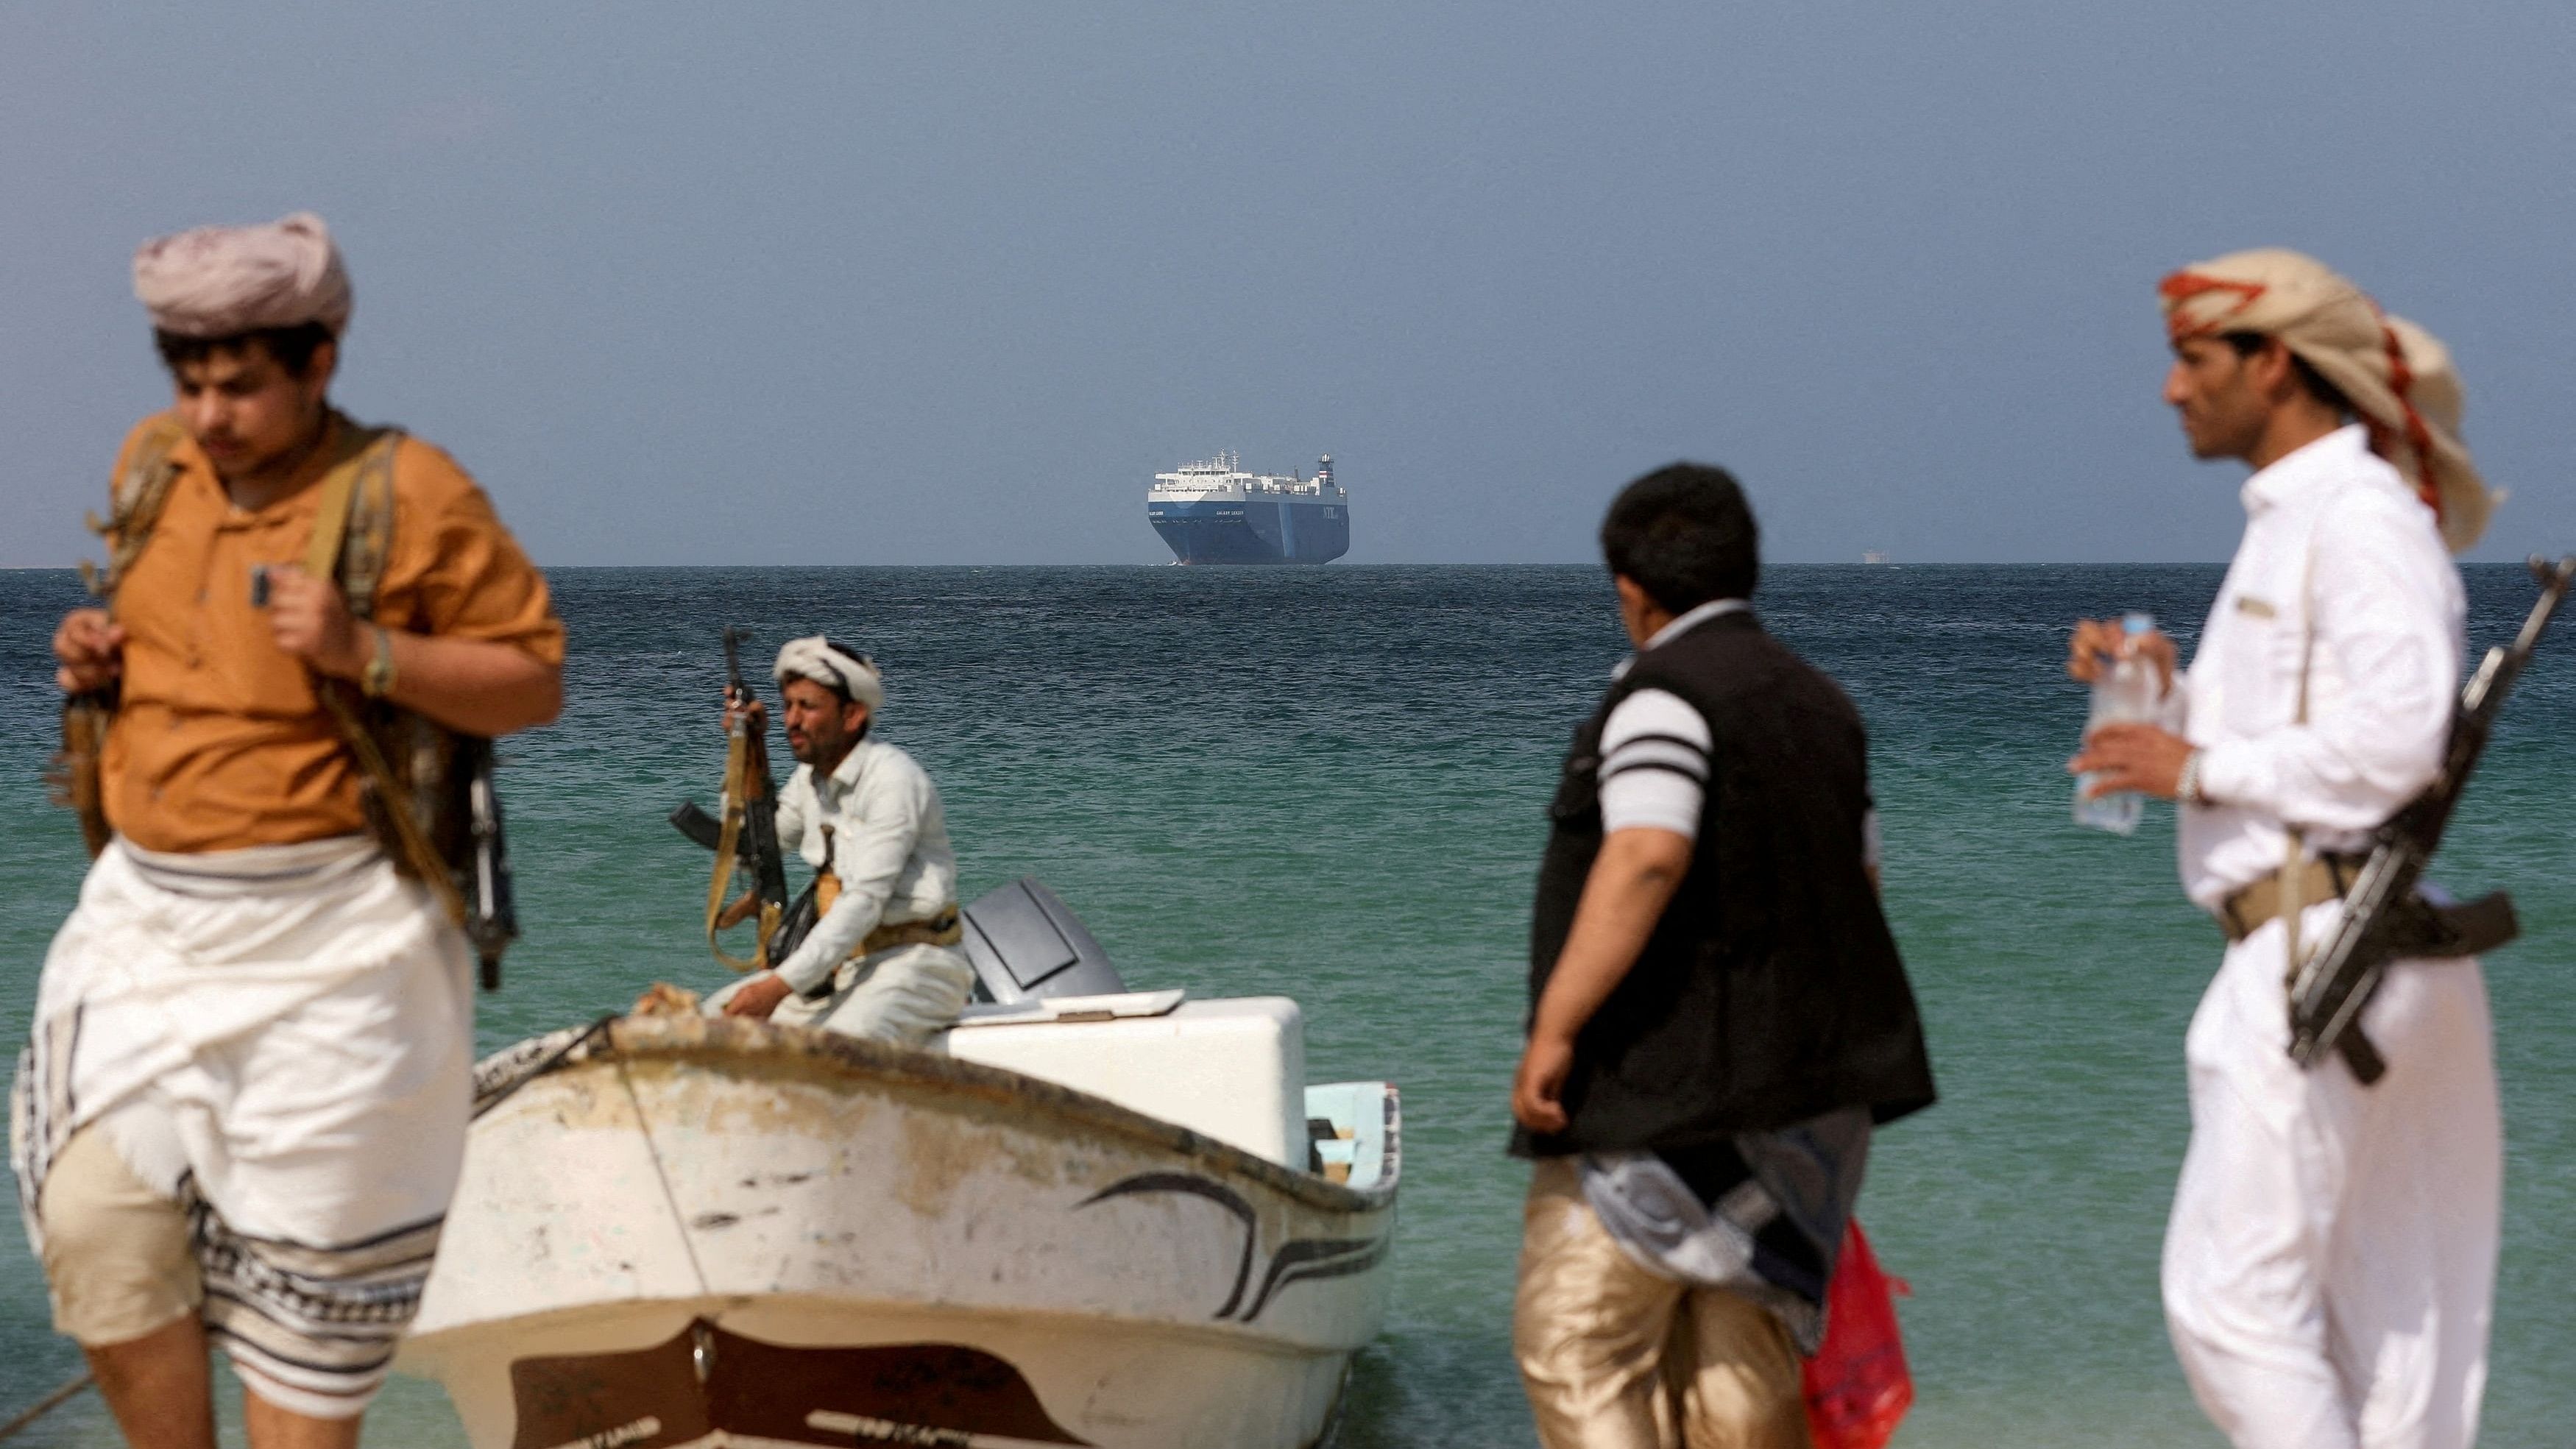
[{"x": 1116, "y": 1220}]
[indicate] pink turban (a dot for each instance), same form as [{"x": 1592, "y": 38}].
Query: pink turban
[
  {"x": 222, "y": 281},
  {"x": 2396, "y": 375}
]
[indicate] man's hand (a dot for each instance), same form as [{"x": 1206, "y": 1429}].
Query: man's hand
[
  {"x": 1632, "y": 880},
  {"x": 745, "y": 711},
  {"x": 1539, "y": 1086},
  {"x": 89, "y": 650},
  {"x": 311, "y": 622},
  {"x": 2136, "y": 757},
  {"x": 758, "y": 997},
  {"x": 2096, "y": 642}
]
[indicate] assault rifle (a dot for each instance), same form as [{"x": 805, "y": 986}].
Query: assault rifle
[
  {"x": 746, "y": 837},
  {"x": 2384, "y": 918}
]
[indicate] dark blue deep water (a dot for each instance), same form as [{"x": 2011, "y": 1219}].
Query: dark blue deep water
[{"x": 1328, "y": 783}]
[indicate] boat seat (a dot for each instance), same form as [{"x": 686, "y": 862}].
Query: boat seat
[{"x": 1026, "y": 944}]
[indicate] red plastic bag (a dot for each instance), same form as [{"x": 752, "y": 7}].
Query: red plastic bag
[{"x": 1857, "y": 1385}]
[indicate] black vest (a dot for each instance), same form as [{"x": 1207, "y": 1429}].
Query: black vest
[{"x": 1770, "y": 992}]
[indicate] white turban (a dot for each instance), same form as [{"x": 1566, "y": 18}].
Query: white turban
[
  {"x": 2394, "y": 373},
  {"x": 222, "y": 281},
  {"x": 833, "y": 667}
]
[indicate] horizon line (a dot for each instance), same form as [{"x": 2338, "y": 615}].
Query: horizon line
[{"x": 1891, "y": 566}]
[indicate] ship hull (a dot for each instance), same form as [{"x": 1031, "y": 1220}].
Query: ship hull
[{"x": 1253, "y": 531}]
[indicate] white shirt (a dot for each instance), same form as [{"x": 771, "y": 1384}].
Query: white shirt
[
  {"x": 888, "y": 844},
  {"x": 2341, "y": 565},
  {"x": 1654, "y": 751}
]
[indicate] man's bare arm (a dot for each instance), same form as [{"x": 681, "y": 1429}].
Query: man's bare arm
[
  {"x": 478, "y": 686},
  {"x": 1632, "y": 880},
  {"x": 474, "y": 685}
]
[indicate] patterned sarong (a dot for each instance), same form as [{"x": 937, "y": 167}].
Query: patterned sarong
[{"x": 280, "y": 1039}]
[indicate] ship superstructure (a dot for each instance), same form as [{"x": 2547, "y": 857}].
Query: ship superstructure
[{"x": 1213, "y": 512}]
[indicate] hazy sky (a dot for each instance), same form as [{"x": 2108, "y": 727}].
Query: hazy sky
[{"x": 948, "y": 282}]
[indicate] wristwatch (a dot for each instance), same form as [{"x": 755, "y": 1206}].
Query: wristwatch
[
  {"x": 377, "y": 679},
  {"x": 2187, "y": 784}
]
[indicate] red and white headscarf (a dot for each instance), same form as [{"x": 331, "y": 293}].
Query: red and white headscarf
[
  {"x": 2397, "y": 376},
  {"x": 222, "y": 281}
]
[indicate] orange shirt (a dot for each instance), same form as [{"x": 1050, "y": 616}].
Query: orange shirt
[{"x": 219, "y": 742}]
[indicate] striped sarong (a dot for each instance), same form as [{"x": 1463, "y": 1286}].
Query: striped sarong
[{"x": 281, "y": 1040}]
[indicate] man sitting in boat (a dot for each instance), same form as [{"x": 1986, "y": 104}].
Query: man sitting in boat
[{"x": 882, "y": 960}]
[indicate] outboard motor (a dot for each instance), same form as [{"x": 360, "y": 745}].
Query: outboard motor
[{"x": 1026, "y": 944}]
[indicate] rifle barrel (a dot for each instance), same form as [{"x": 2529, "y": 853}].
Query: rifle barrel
[{"x": 733, "y": 660}]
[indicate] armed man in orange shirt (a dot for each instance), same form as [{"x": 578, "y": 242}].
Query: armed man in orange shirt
[{"x": 244, "y": 1105}]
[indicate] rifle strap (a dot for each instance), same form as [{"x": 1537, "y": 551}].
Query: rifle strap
[
  {"x": 2359, "y": 1055},
  {"x": 135, "y": 505},
  {"x": 2292, "y": 890},
  {"x": 737, "y": 780},
  {"x": 827, "y": 882},
  {"x": 420, "y": 858},
  {"x": 365, "y": 471}
]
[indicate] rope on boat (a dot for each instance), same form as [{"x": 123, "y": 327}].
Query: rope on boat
[
  {"x": 499, "y": 1076},
  {"x": 670, "y": 1194},
  {"x": 44, "y": 1406}
]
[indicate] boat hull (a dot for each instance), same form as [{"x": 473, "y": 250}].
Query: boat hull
[{"x": 719, "y": 1232}]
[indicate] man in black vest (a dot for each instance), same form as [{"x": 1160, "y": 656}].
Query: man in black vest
[{"x": 1718, "y": 1013}]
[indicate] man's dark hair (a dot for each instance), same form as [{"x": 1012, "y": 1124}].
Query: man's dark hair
[
  {"x": 2249, "y": 343},
  {"x": 1685, "y": 534},
  {"x": 293, "y": 347}
]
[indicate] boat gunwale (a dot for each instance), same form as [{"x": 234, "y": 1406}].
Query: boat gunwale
[{"x": 699, "y": 1037}]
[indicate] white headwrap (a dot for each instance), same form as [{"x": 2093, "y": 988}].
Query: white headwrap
[
  {"x": 222, "y": 281},
  {"x": 833, "y": 667}
]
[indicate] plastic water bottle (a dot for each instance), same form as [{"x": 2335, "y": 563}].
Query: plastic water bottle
[{"x": 2125, "y": 693}]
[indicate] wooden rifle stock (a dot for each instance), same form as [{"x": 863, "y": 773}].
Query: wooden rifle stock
[{"x": 748, "y": 825}]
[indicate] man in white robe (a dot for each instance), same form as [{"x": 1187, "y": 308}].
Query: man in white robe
[
  {"x": 882, "y": 961},
  {"x": 2329, "y": 1265}
]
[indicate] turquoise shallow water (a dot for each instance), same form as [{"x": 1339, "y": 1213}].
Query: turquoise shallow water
[{"x": 1328, "y": 783}]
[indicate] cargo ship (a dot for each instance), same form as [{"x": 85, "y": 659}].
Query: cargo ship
[{"x": 1213, "y": 512}]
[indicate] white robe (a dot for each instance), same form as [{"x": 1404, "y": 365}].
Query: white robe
[{"x": 2330, "y": 1263}]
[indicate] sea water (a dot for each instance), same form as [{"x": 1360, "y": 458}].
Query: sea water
[{"x": 1330, "y": 783}]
